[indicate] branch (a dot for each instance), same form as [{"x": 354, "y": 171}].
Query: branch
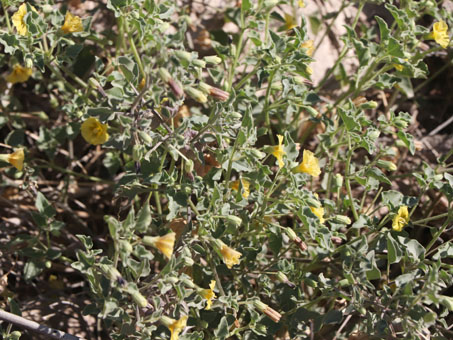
[{"x": 36, "y": 327}]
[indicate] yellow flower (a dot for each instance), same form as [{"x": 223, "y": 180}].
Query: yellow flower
[
  {"x": 19, "y": 74},
  {"x": 309, "y": 165},
  {"x": 208, "y": 294},
  {"x": 318, "y": 212},
  {"x": 301, "y": 3},
  {"x": 401, "y": 219},
  {"x": 175, "y": 326},
  {"x": 72, "y": 24},
  {"x": 18, "y": 19},
  {"x": 94, "y": 132},
  {"x": 440, "y": 34},
  {"x": 290, "y": 22},
  {"x": 164, "y": 243},
  {"x": 278, "y": 152},
  {"x": 398, "y": 67},
  {"x": 230, "y": 256},
  {"x": 309, "y": 46},
  {"x": 245, "y": 187},
  {"x": 16, "y": 158}
]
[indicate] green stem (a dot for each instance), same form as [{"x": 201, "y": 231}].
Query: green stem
[
  {"x": 134, "y": 50},
  {"x": 440, "y": 231},
  {"x": 8, "y": 23},
  {"x": 348, "y": 183},
  {"x": 73, "y": 173}
]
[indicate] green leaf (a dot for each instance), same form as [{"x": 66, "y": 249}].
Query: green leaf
[
  {"x": 408, "y": 140},
  {"x": 394, "y": 251},
  {"x": 379, "y": 175},
  {"x": 349, "y": 121},
  {"x": 245, "y": 5},
  {"x": 44, "y": 207},
  {"x": 392, "y": 198},
  {"x": 144, "y": 218},
  {"x": 222, "y": 330},
  {"x": 383, "y": 28},
  {"x": 32, "y": 269},
  {"x": 394, "y": 48},
  {"x": 9, "y": 42},
  {"x": 86, "y": 241}
]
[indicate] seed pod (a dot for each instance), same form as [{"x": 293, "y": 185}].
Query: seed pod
[
  {"x": 213, "y": 59},
  {"x": 196, "y": 94},
  {"x": 233, "y": 220},
  {"x": 342, "y": 219},
  {"x": 386, "y": 165},
  {"x": 183, "y": 56}
]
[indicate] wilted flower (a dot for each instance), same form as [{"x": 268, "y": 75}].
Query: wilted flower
[
  {"x": 319, "y": 212},
  {"x": 290, "y": 21},
  {"x": 309, "y": 46},
  {"x": 401, "y": 219},
  {"x": 245, "y": 187},
  {"x": 440, "y": 34},
  {"x": 18, "y": 19},
  {"x": 164, "y": 243},
  {"x": 309, "y": 165},
  {"x": 16, "y": 158},
  {"x": 175, "y": 326},
  {"x": 208, "y": 294},
  {"x": 94, "y": 132},
  {"x": 278, "y": 152},
  {"x": 19, "y": 74},
  {"x": 270, "y": 312},
  {"x": 72, "y": 24},
  {"x": 178, "y": 225}
]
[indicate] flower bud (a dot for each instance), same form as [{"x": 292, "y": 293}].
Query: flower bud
[
  {"x": 176, "y": 88},
  {"x": 219, "y": 94},
  {"x": 206, "y": 88},
  {"x": 342, "y": 219},
  {"x": 164, "y": 74},
  {"x": 369, "y": 105},
  {"x": 15, "y": 335},
  {"x": 196, "y": 94},
  {"x": 311, "y": 111},
  {"x": 199, "y": 63},
  {"x": 188, "y": 283},
  {"x": 137, "y": 152},
  {"x": 233, "y": 221},
  {"x": 386, "y": 165},
  {"x": 277, "y": 86},
  {"x": 257, "y": 153},
  {"x": 312, "y": 202},
  {"x": 183, "y": 55},
  {"x": 139, "y": 299},
  {"x": 188, "y": 166},
  {"x": 284, "y": 279},
  {"x": 400, "y": 123},
  {"x": 187, "y": 261},
  {"x": 374, "y": 134},
  {"x": 212, "y": 59},
  {"x": 291, "y": 234},
  {"x": 270, "y": 3},
  {"x": 145, "y": 138},
  {"x": 28, "y": 63},
  {"x": 236, "y": 115},
  {"x": 339, "y": 180}
]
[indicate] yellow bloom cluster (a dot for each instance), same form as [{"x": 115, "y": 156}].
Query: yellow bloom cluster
[
  {"x": 401, "y": 219},
  {"x": 245, "y": 187},
  {"x": 278, "y": 152},
  {"x": 309, "y": 165},
  {"x": 16, "y": 158},
  {"x": 175, "y": 326},
  {"x": 18, "y": 19},
  {"x": 440, "y": 33},
  {"x": 208, "y": 294},
  {"x": 94, "y": 132},
  {"x": 164, "y": 243},
  {"x": 72, "y": 24},
  {"x": 19, "y": 74}
]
